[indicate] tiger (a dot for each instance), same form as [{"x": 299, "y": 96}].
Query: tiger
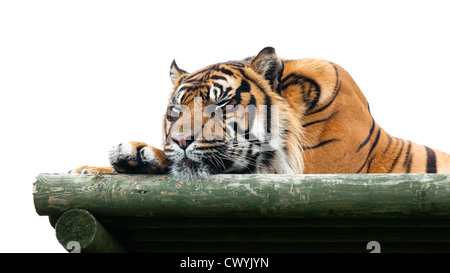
[{"x": 308, "y": 117}]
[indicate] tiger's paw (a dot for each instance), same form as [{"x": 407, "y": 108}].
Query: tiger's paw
[
  {"x": 139, "y": 158},
  {"x": 91, "y": 170}
]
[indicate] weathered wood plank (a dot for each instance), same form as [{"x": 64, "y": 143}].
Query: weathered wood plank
[
  {"x": 79, "y": 227},
  {"x": 285, "y": 196}
]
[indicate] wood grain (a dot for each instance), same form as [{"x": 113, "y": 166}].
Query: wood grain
[{"x": 279, "y": 196}]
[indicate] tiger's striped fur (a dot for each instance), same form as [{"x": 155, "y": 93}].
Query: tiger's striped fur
[
  {"x": 324, "y": 125},
  {"x": 343, "y": 136}
]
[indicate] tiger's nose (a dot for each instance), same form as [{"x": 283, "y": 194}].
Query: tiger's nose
[{"x": 183, "y": 139}]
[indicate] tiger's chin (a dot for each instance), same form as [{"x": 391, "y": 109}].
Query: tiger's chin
[{"x": 187, "y": 169}]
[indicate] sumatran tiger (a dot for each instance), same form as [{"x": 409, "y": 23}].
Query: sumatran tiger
[{"x": 265, "y": 114}]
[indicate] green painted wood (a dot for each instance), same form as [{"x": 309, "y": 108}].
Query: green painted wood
[
  {"x": 53, "y": 219},
  {"x": 280, "y": 196},
  {"x": 79, "y": 231}
]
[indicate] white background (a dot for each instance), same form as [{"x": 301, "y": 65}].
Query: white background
[{"x": 77, "y": 77}]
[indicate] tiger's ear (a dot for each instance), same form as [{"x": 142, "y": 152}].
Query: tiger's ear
[
  {"x": 175, "y": 72},
  {"x": 269, "y": 65}
]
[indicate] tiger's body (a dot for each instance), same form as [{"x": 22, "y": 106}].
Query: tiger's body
[{"x": 322, "y": 125}]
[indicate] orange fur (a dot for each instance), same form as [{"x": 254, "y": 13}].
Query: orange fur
[{"x": 359, "y": 144}]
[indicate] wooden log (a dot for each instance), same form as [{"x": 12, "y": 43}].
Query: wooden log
[
  {"x": 283, "y": 196},
  {"x": 79, "y": 231}
]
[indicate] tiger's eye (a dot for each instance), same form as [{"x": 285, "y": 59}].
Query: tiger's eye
[{"x": 173, "y": 113}]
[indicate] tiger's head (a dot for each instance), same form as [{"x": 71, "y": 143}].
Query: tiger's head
[{"x": 229, "y": 117}]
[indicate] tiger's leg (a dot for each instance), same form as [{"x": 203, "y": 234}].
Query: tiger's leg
[
  {"x": 138, "y": 157},
  {"x": 131, "y": 157},
  {"x": 90, "y": 170}
]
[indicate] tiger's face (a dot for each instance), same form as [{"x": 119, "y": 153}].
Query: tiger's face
[{"x": 224, "y": 118}]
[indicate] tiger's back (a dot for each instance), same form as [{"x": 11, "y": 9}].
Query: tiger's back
[{"x": 340, "y": 132}]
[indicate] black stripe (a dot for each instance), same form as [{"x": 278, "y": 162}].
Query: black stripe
[
  {"x": 267, "y": 102},
  {"x": 217, "y": 86},
  {"x": 187, "y": 98},
  {"x": 223, "y": 70},
  {"x": 369, "y": 164},
  {"x": 311, "y": 96},
  {"x": 208, "y": 70},
  {"x": 236, "y": 128},
  {"x": 206, "y": 97},
  {"x": 431, "y": 161},
  {"x": 320, "y": 120},
  {"x": 408, "y": 159},
  {"x": 217, "y": 77},
  {"x": 368, "y": 137},
  {"x": 389, "y": 144},
  {"x": 227, "y": 91},
  {"x": 320, "y": 144},
  {"x": 191, "y": 77},
  {"x": 191, "y": 92},
  {"x": 408, "y": 166},
  {"x": 313, "y": 88},
  {"x": 397, "y": 157},
  {"x": 190, "y": 80},
  {"x": 268, "y": 123},
  {"x": 212, "y": 148},
  {"x": 252, "y": 100},
  {"x": 213, "y": 141},
  {"x": 338, "y": 88},
  {"x": 371, "y": 150},
  {"x": 183, "y": 88},
  {"x": 244, "y": 87}
]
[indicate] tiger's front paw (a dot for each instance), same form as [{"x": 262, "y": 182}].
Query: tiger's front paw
[{"x": 138, "y": 157}]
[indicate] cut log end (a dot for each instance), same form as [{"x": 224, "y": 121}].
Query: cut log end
[{"x": 78, "y": 230}]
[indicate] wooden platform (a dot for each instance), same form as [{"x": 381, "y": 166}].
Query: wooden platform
[{"x": 248, "y": 213}]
